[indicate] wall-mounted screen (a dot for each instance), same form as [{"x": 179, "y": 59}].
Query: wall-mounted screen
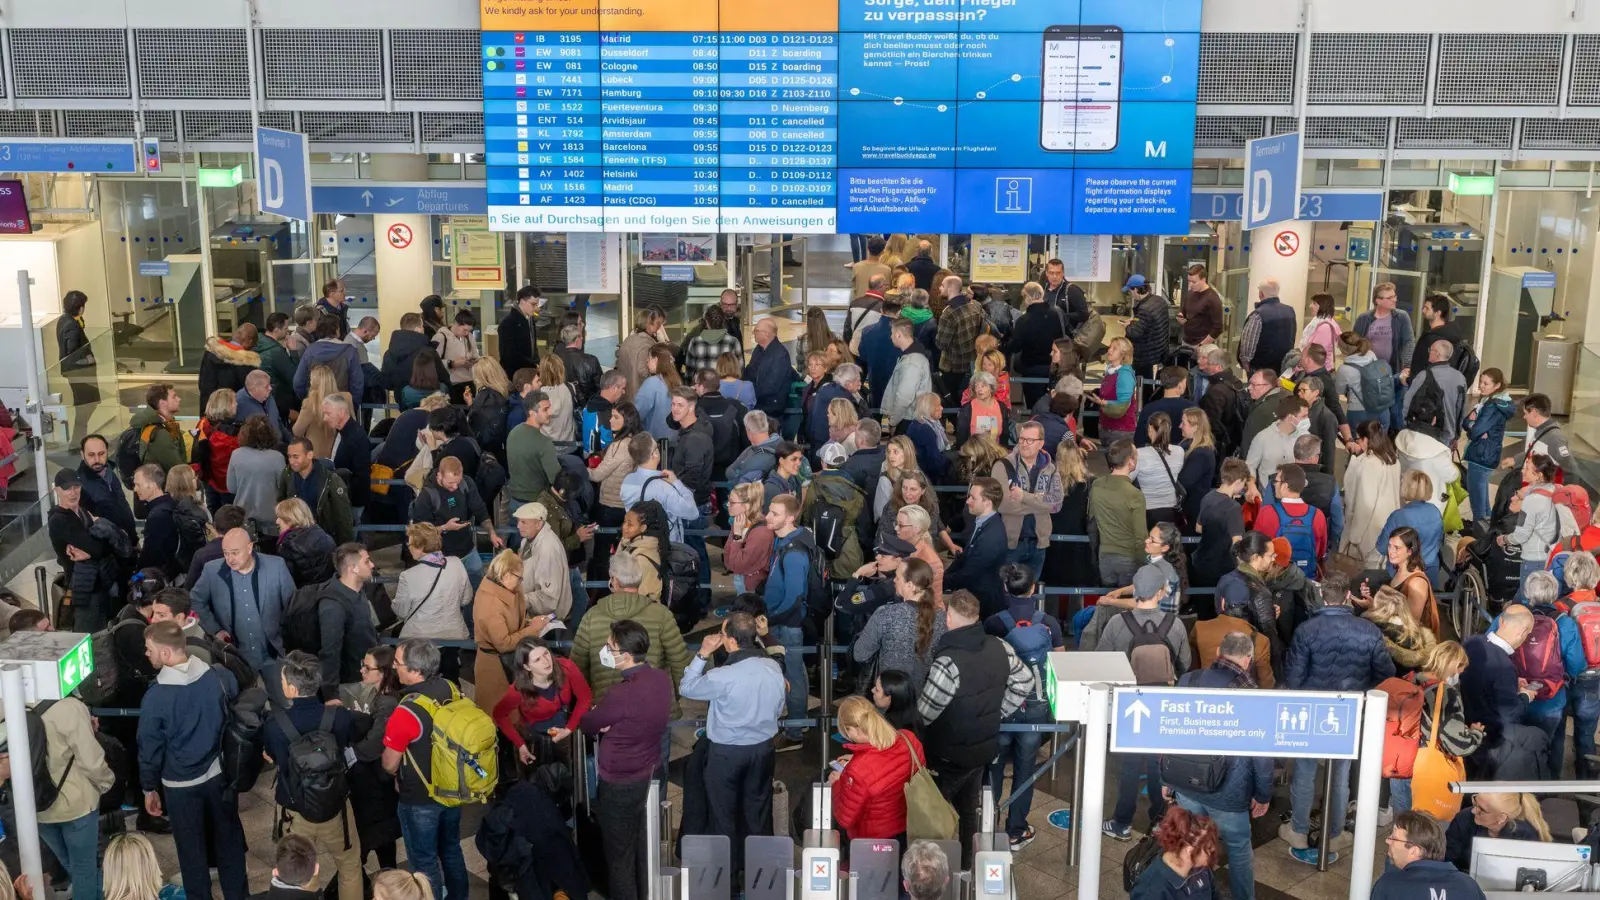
[
  {"x": 822, "y": 116},
  {"x": 14, "y": 218}
]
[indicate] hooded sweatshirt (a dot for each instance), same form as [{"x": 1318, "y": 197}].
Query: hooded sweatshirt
[
  {"x": 1426, "y": 453},
  {"x": 180, "y": 726}
]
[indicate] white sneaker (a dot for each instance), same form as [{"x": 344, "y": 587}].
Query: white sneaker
[
  {"x": 1385, "y": 816},
  {"x": 1294, "y": 839}
]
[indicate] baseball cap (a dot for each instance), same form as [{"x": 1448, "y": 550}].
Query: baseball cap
[
  {"x": 895, "y": 547},
  {"x": 1134, "y": 281},
  {"x": 67, "y": 479},
  {"x": 531, "y": 511},
  {"x": 833, "y": 454},
  {"x": 1148, "y": 582}
]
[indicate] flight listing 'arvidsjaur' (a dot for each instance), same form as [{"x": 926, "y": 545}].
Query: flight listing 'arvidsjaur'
[{"x": 807, "y": 117}]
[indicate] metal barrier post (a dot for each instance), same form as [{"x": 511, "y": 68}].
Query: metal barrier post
[
  {"x": 41, "y": 583},
  {"x": 1327, "y": 814},
  {"x": 1075, "y": 833},
  {"x": 825, "y": 688},
  {"x": 652, "y": 842}
]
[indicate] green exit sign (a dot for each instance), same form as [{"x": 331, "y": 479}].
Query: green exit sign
[
  {"x": 76, "y": 666},
  {"x": 221, "y": 178},
  {"x": 1471, "y": 185}
]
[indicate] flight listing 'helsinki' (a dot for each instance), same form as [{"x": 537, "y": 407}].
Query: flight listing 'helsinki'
[{"x": 824, "y": 116}]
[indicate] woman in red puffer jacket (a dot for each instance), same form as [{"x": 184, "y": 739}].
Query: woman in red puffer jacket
[
  {"x": 869, "y": 793},
  {"x": 215, "y": 440}
]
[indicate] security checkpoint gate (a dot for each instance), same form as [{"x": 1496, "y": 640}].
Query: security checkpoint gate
[{"x": 1245, "y": 723}]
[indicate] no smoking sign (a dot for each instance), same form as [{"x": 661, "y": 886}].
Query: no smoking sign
[
  {"x": 1287, "y": 243},
  {"x": 399, "y": 236}
]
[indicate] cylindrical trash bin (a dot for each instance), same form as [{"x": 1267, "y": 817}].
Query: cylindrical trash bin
[{"x": 1555, "y": 371}]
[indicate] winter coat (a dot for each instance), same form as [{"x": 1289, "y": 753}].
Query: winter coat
[
  {"x": 1455, "y": 733},
  {"x": 772, "y": 374},
  {"x": 486, "y": 420},
  {"x": 647, "y": 551},
  {"x": 1408, "y": 653},
  {"x": 339, "y": 356},
  {"x": 546, "y": 577},
  {"x": 164, "y": 444},
  {"x": 397, "y": 359},
  {"x": 71, "y": 741},
  {"x": 332, "y": 510},
  {"x": 654, "y": 403},
  {"x": 667, "y": 651},
  {"x": 518, "y": 347},
  {"x": 224, "y": 365},
  {"x": 583, "y": 373},
  {"x": 615, "y": 465},
  {"x": 839, "y": 489},
  {"x": 1205, "y": 640},
  {"x": 912, "y": 377},
  {"x": 890, "y": 638},
  {"x": 1336, "y": 651},
  {"x": 964, "y": 424},
  {"x": 1486, "y": 431},
  {"x": 1426, "y": 453},
  {"x": 1150, "y": 331},
  {"x": 308, "y": 552},
  {"x": 1371, "y": 495},
  {"x": 869, "y": 798},
  {"x": 1244, "y": 594},
  {"x": 104, "y": 496},
  {"x": 180, "y": 725},
  {"x": 633, "y": 360},
  {"x": 500, "y": 619},
  {"x": 429, "y": 599}
]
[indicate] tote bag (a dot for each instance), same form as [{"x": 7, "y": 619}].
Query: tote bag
[
  {"x": 1434, "y": 770},
  {"x": 929, "y": 817}
]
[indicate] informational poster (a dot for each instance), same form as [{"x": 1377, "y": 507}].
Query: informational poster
[
  {"x": 477, "y": 255},
  {"x": 594, "y": 263},
  {"x": 821, "y": 116},
  {"x": 1085, "y": 257},
  {"x": 999, "y": 258}
]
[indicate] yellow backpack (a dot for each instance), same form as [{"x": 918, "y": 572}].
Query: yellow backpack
[{"x": 464, "y": 767}]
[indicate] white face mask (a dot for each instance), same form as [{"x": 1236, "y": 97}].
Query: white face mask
[
  {"x": 1302, "y": 427},
  {"x": 607, "y": 658},
  {"x": 1453, "y": 680}
]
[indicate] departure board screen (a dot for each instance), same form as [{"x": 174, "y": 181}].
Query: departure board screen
[{"x": 824, "y": 116}]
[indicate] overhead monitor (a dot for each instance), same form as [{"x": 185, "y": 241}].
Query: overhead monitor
[
  {"x": 856, "y": 116},
  {"x": 14, "y": 218},
  {"x": 1502, "y": 865}
]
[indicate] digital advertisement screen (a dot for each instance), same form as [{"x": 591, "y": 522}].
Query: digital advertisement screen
[
  {"x": 14, "y": 218},
  {"x": 824, "y": 116}
]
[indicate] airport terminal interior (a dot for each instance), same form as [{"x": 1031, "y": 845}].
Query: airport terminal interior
[{"x": 193, "y": 167}]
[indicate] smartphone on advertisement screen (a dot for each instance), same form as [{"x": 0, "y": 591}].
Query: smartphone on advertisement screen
[{"x": 1082, "y": 88}]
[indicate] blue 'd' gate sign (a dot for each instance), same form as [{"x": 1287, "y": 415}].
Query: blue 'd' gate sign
[
  {"x": 1198, "y": 721},
  {"x": 1271, "y": 180},
  {"x": 283, "y": 173}
]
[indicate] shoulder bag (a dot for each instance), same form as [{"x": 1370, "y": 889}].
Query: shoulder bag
[
  {"x": 929, "y": 816},
  {"x": 394, "y": 627},
  {"x": 1433, "y": 771}
]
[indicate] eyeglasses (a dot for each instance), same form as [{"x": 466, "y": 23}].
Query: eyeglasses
[
  {"x": 367, "y": 668},
  {"x": 1390, "y": 838}
]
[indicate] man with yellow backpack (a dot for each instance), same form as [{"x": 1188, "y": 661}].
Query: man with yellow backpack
[{"x": 443, "y": 748}]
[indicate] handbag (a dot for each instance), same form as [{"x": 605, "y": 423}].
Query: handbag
[
  {"x": 1177, "y": 488},
  {"x": 1433, "y": 771},
  {"x": 1351, "y": 565},
  {"x": 929, "y": 816},
  {"x": 1455, "y": 496}
]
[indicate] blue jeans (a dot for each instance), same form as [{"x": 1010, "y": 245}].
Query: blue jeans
[
  {"x": 473, "y": 563},
  {"x": 1234, "y": 829},
  {"x": 1028, "y": 554},
  {"x": 1354, "y": 417},
  {"x": 433, "y": 842},
  {"x": 794, "y": 669},
  {"x": 1021, "y": 749},
  {"x": 1303, "y": 790},
  {"x": 1397, "y": 412},
  {"x": 1134, "y": 767},
  {"x": 1529, "y": 566},
  {"x": 77, "y": 844},
  {"x": 1583, "y": 704},
  {"x": 1554, "y": 726},
  {"x": 1399, "y": 795},
  {"x": 1478, "y": 490},
  {"x": 858, "y": 247}
]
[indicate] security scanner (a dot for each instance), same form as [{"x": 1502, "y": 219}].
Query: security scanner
[
  {"x": 1522, "y": 866},
  {"x": 706, "y": 867}
]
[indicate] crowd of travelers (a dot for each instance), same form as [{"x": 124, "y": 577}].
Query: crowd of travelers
[{"x": 1285, "y": 515}]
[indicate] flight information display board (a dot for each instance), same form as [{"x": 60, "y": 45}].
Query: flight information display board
[{"x": 823, "y": 116}]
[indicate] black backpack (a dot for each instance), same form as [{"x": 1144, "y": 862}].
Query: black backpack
[
  {"x": 1194, "y": 774},
  {"x": 228, "y": 657},
  {"x": 45, "y": 790},
  {"x": 680, "y": 585},
  {"x": 100, "y": 688},
  {"x": 313, "y": 775},
  {"x": 829, "y": 527},
  {"x": 301, "y": 628},
  {"x": 191, "y": 528},
  {"x": 129, "y": 455},
  {"x": 816, "y": 597},
  {"x": 1427, "y": 404},
  {"x": 242, "y": 746},
  {"x": 1463, "y": 360}
]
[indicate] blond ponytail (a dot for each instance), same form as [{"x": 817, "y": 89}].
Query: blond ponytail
[
  {"x": 1529, "y": 811},
  {"x": 398, "y": 884}
]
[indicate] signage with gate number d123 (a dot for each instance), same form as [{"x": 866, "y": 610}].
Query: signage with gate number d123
[{"x": 1198, "y": 721}]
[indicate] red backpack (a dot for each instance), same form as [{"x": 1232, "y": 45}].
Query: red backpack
[
  {"x": 1572, "y": 496},
  {"x": 1539, "y": 658},
  {"x": 1586, "y": 615},
  {"x": 1402, "y": 729}
]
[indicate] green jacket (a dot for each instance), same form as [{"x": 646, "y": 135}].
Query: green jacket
[
  {"x": 530, "y": 462},
  {"x": 667, "y": 651},
  {"x": 277, "y": 362},
  {"x": 833, "y": 486},
  {"x": 332, "y": 510},
  {"x": 164, "y": 446},
  {"x": 1117, "y": 509}
]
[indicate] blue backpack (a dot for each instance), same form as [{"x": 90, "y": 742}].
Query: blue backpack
[
  {"x": 1031, "y": 641},
  {"x": 1302, "y": 537}
]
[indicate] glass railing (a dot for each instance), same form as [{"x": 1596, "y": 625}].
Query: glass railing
[
  {"x": 22, "y": 544},
  {"x": 1583, "y": 427},
  {"x": 88, "y": 385}
]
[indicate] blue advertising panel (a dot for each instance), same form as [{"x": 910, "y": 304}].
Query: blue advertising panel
[
  {"x": 1315, "y": 206},
  {"x": 1271, "y": 180},
  {"x": 844, "y": 116},
  {"x": 1236, "y": 723},
  {"x": 82, "y": 155},
  {"x": 283, "y": 173}
]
